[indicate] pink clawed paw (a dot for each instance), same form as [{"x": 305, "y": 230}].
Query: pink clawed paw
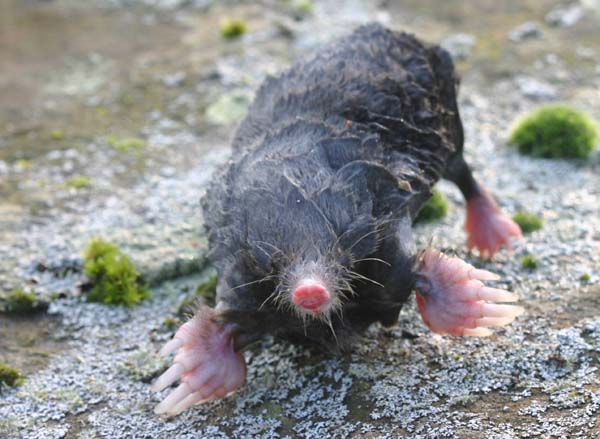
[
  {"x": 453, "y": 300},
  {"x": 488, "y": 228},
  {"x": 206, "y": 364}
]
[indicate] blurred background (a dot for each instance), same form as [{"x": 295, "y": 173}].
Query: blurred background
[{"x": 114, "y": 114}]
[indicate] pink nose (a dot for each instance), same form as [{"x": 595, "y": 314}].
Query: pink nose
[{"x": 311, "y": 296}]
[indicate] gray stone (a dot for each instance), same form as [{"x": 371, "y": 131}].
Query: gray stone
[
  {"x": 527, "y": 30},
  {"x": 460, "y": 46},
  {"x": 536, "y": 89},
  {"x": 565, "y": 16}
]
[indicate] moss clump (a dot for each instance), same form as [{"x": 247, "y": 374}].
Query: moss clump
[
  {"x": 170, "y": 322},
  {"x": 555, "y": 131},
  {"x": 9, "y": 376},
  {"x": 436, "y": 208},
  {"x": 23, "y": 163},
  {"x": 303, "y": 6},
  {"x": 19, "y": 301},
  {"x": 208, "y": 291},
  {"x": 78, "y": 182},
  {"x": 529, "y": 262},
  {"x": 127, "y": 144},
  {"x": 585, "y": 277},
  {"x": 528, "y": 222},
  {"x": 232, "y": 28},
  {"x": 112, "y": 274},
  {"x": 57, "y": 135}
]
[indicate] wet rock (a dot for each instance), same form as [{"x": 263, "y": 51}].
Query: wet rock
[
  {"x": 565, "y": 16},
  {"x": 536, "y": 89},
  {"x": 528, "y": 30},
  {"x": 460, "y": 46}
]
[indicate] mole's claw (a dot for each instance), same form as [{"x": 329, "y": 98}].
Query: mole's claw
[
  {"x": 477, "y": 332},
  {"x": 453, "y": 302},
  {"x": 488, "y": 228},
  {"x": 173, "y": 399},
  {"x": 486, "y": 322},
  {"x": 187, "y": 402},
  {"x": 206, "y": 364},
  {"x": 167, "y": 378},
  {"x": 171, "y": 346},
  {"x": 494, "y": 310},
  {"x": 478, "y": 273},
  {"x": 497, "y": 295}
]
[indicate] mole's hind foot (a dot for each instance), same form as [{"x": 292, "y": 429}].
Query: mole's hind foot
[
  {"x": 206, "y": 364},
  {"x": 453, "y": 300},
  {"x": 488, "y": 228}
]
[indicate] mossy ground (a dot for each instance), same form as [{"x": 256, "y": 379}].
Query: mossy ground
[
  {"x": 529, "y": 262},
  {"x": 232, "y": 28},
  {"x": 555, "y": 131},
  {"x": 9, "y": 376},
  {"x": 585, "y": 277},
  {"x": 127, "y": 144},
  {"x": 19, "y": 301},
  {"x": 528, "y": 222},
  {"x": 205, "y": 293},
  {"x": 436, "y": 208},
  {"x": 78, "y": 182},
  {"x": 112, "y": 274}
]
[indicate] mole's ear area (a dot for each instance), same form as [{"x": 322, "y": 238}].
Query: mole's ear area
[
  {"x": 374, "y": 183},
  {"x": 206, "y": 363},
  {"x": 371, "y": 193},
  {"x": 453, "y": 300}
]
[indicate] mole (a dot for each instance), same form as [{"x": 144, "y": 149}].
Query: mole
[{"x": 309, "y": 223}]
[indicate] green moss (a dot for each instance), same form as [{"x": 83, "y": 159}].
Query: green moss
[
  {"x": 208, "y": 291},
  {"x": 528, "y": 222},
  {"x": 19, "y": 301},
  {"x": 436, "y": 208},
  {"x": 112, "y": 274},
  {"x": 228, "y": 108},
  {"x": 127, "y": 144},
  {"x": 303, "y": 6},
  {"x": 555, "y": 131},
  {"x": 9, "y": 376},
  {"x": 78, "y": 182},
  {"x": 529, "y": 262},
  {"x": 23, "y": 163},
  {"x": 232, "y": 28},
  {"x": 57, "y": 135},
  {"x": 205, "y": 293},
  {"x": 585, "y": 277},
  {"x": 170, "y": 322}
]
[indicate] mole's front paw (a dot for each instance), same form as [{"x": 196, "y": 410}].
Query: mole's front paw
[
  {"x": 488, "y": 228},
  {"x": 453, "y": 300},
  {"x": 206, "y": 364}
]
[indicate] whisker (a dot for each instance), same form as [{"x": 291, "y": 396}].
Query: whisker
[
  {"x": 330, "y": 324},
  {"x": 373, "y": 259},
  {"x": 356, "y": 275}
]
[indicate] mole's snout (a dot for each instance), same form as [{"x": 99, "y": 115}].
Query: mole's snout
[{"x": 311, "y": 295}]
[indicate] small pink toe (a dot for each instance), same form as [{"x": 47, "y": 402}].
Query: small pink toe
[
  {"x": 206, "y": 363},
  {"x": 453, "y": 300},
  {"x": 488, "y": 228}
]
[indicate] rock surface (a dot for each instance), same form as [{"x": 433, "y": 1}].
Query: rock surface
[{"x": 88, "y": 366}]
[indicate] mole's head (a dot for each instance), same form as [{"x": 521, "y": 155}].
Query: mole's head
[{"x": 298, "y": 252}]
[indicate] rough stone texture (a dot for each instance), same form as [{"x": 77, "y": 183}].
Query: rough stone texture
[{"x": 89, "y": 366}]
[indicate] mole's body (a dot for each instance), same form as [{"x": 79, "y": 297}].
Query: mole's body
[{"x": 309, "y": 223}]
